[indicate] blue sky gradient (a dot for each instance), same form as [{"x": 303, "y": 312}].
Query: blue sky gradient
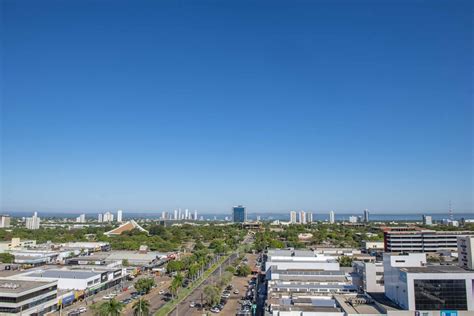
[{"x": 277, "y": 105}]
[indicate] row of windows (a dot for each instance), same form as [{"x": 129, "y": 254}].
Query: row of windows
[
  {"x": 25, "y": 307},
  {"x": 5, "y": 299}
]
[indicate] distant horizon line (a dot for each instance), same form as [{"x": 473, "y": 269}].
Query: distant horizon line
[{"x": 249, "y": 212}]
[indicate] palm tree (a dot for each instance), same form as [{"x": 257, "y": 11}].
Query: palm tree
[
  {"x": 141, "y": 308},
  {"x": 176, "y": 284},
  {"x": 109, "y": 308}
]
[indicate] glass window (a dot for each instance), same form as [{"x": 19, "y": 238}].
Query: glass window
[{"x": 440, "y": 294}]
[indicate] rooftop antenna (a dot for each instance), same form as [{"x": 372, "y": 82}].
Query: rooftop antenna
[{"x": 450, "y": 211}]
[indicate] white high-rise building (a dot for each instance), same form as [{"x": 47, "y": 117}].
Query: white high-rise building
[
  {"x": 302, "y": 217},
  {"x": 99, "y": 218},
  {"x": 81, "y": 218},
  {"x": 175, "y": 215},
  {"x": 108, "y": 217},
  {"x": 427, "y": 220},
  {"x": 4, "y": 221},
  {"x": 186, "y": 214},
  {"x": 179, "y": 214},
  {"x": 332, "y": 217},
  {"x": 119, "y": 216},
  {"x": 33, "y": 222},
  {"x": 195, "y": 215},
  {"x": 309, "y": 217},
  {"x": 293, "y": 217},
  {"x": 163, "y": 215}
]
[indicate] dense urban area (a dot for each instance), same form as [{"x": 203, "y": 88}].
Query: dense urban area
[{"x": 182, "y": 264}]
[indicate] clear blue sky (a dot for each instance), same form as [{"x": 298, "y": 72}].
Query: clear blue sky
[{"x": 277, "y": 105}]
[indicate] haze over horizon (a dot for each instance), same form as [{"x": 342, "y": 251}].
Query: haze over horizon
[{"x": 276, "y": 105}]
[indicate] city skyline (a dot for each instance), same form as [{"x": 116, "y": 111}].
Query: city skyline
[{"x": 273, "y": 105}]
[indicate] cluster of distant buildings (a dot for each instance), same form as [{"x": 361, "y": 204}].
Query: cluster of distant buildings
[
  {"x": 178, "y": 215},
  {"x": 303, "y": 217}
]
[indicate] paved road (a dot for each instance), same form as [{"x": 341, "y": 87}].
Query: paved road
[{"x": 183, "y": 308}]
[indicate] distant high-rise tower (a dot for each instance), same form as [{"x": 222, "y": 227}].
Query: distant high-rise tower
[
  {"x": 239, "y": 214},
  {"x": 302, "y": 217},
  {"x": 99, "y": 218},
  {"x": 175, "y": 215},
  {"x": 195, "y": 215},
  {"x": 366, "y": 215},
  {"x": 332, "y": 217},
  {"x": 292, "y": 217},
  {"x": 4, "y": 221},
  {"x": 309, "y": 217},
  {"x": 119, "y": 216},
  {"x": 427, "y": 220},
  {"x": 186, "y": 214},
  {"x": 81, "y": 218},
  {"x": 451, "y": 217},
  {"x": 33, "y": 222},
  {"x": 108, "y": 217}
]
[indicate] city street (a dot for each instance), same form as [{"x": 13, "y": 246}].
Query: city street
[{"x": 153, "y": 297}]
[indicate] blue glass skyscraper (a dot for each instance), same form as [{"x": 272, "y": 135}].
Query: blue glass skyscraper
[{"x": 239, "y": 214}]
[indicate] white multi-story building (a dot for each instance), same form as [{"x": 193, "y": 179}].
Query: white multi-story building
[
  {"x": 371, "y": 276},
  {"x": 100, "y": 218},
  {"x": 108, "y": 217},
  {"x": 299, "y": 259},
  {"x": 353, "y": 219},
  {"x": 332, "y": 217},
  {"x": 81, "y": 218},
  {"x": 19, "y": 297},
  {"x": 401, "y": 239},
  {"x": 175, "y": 217},
  {"x": 186, "y": 214},
  {"x": 302, "y": 219},
  {"x": 195, "y": 215},
  {"x": 465, "y": 253},
  {"x": 427, "y": 220},
  {"x": 293, "y": 217},
  {"x": 415, "y": 286},
  {"x": 4, "y": 221},
  {"x": 309, "y": 217},
  {"x": 119, "y": 216},
  {"x": 33, "y": 222}
]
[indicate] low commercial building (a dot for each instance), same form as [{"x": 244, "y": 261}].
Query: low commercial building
[
  {"x": 421, "y": 240},
  {"x": 88, "y": 281},
  {"x": 372, "y": 246},
  {"x": 18, "y": 297},
  {"x": 299, "y": 260},
  {"x": 415, "y": 286}
]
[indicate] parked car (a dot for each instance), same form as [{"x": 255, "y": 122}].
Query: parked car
[
  {"x": 161, "y": 292},
  {"x": 82, "y": 309},
  {"x": 215, "y": 309},
  {"x": 236, "y": 291},
  {"x": 193, "y": 304}
]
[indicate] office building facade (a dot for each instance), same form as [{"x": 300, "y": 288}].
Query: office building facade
[
  {"x": 465, "y": 253},
  {"x": 421, "y": 240},
  {"x": 239, "y": 214}
]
